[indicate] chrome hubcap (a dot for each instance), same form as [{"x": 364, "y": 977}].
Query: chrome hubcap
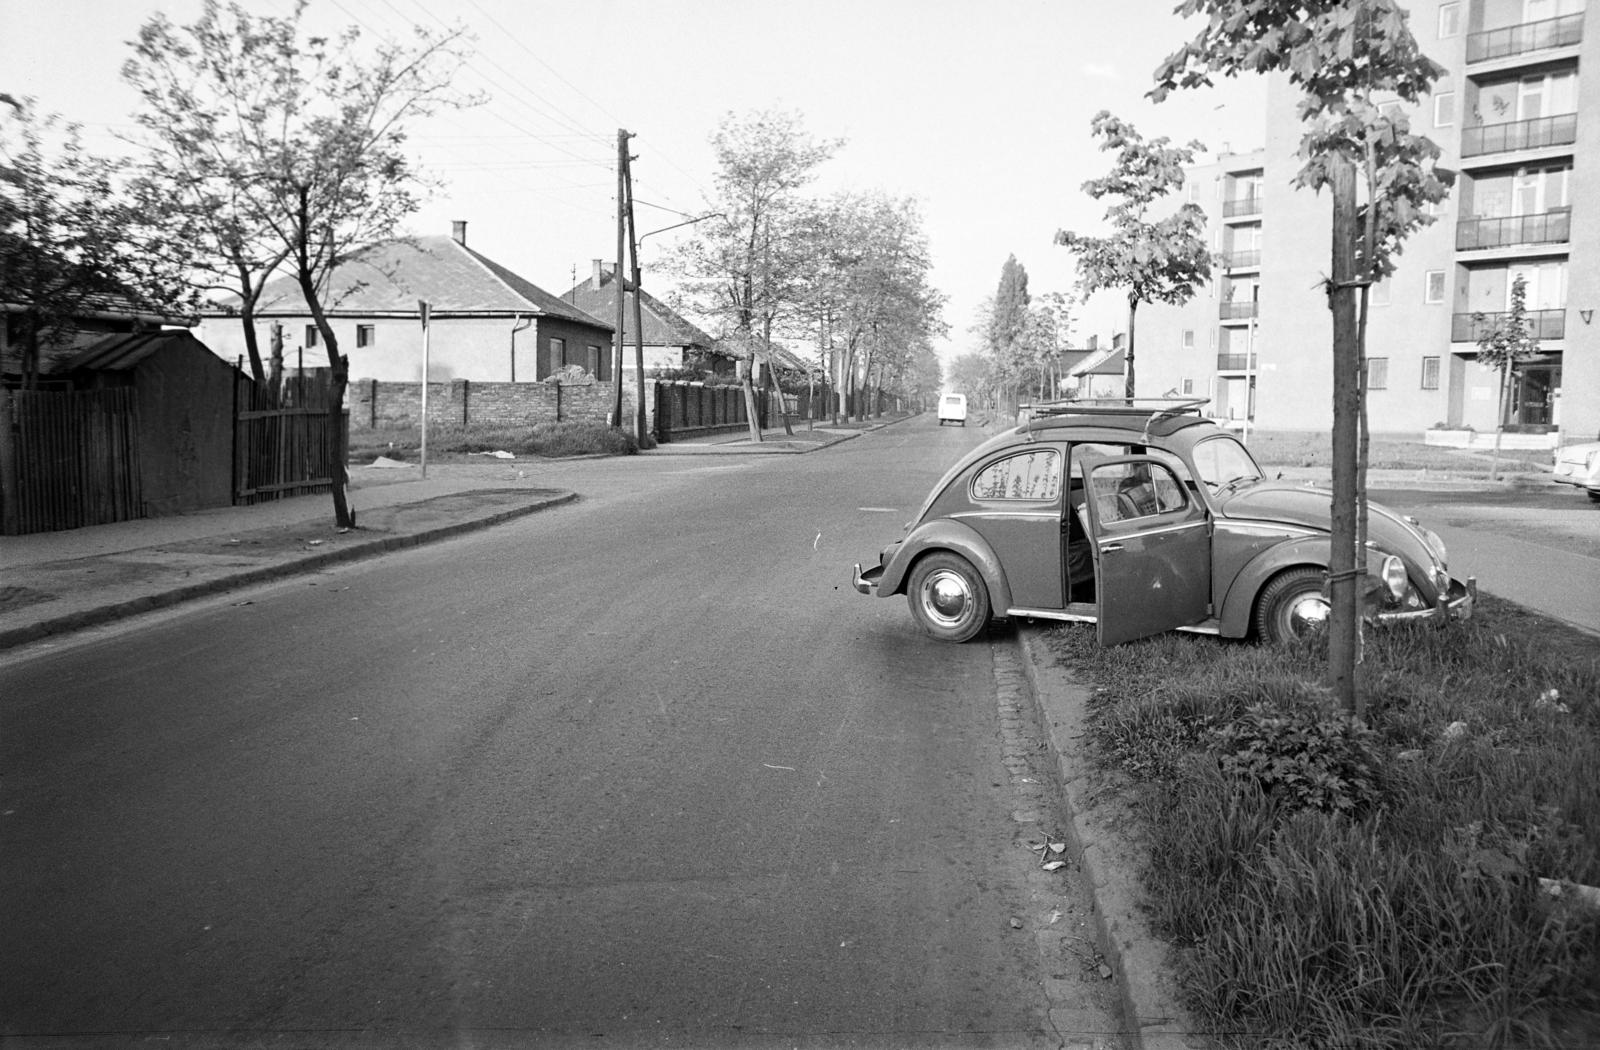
[
  {"x": 946, "y": 597},
  {"x": 1307, "y": 614}
]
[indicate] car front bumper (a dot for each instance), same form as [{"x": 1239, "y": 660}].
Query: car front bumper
[{"x": 1456, "y": 604}]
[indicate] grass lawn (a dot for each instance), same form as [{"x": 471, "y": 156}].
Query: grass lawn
[
  {"x": 1328, "y": 883},
  {"x": 1388, "y": 452}
]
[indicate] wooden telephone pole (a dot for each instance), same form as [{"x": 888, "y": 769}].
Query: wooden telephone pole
[{"x": 616, "y": 339}]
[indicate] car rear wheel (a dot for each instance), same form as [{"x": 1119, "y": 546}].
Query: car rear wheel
[
  {"x": 1292, "y": 606},
  {"x": 948, "y": 597}
]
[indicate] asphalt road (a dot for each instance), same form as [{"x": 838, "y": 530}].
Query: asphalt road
[{"x": 643, "y": 770}]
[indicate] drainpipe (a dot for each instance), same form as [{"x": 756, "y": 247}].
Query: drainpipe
[{"x": 520, "y": 325}]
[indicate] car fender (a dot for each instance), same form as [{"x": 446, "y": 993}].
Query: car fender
[
  {"x": 1238, "y": 605},
  {"x": 944, "y": 534}
]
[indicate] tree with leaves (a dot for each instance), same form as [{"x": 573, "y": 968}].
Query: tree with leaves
[
  {"x": 740, "y": 268},
  {"x": 1343, "y": 55},
  {"x": 1506, "y": 340},
  {"x": 300, "y": 138},
  {"x": 1152, "y": 259},
  {"x": 74, "y": 238}
]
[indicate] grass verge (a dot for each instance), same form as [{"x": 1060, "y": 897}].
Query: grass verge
[
  {"x": 1387, "y": 452},
  {"x": 542, "y": 439},
  {"x": 1368, "y": 885}
]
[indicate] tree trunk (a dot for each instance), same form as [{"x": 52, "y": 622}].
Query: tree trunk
[
  {"x": 1343, "y": 573},
  {"x": 339, "y": 372},
  {"x": 754, "y": 420},
  {"x": 1128, "y": 381},
  {"x": 1504, "y": 401}
]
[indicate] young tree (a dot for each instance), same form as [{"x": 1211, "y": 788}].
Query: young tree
[
  {"x": 1506, "y": 340},
  {"x": 741, "y": 264},
  {"x": 302, "y": 137},
  {"x": 1155, "y": 260},
  {"x": 1008, "y": 326},
  {"x": 1340, "y": 53},
  {"x": 73, "y": 239}
]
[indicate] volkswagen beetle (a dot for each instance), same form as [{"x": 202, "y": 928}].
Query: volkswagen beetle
[{"x": 1140, "y": 520}]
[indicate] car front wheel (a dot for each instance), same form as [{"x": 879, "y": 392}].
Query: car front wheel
[
  {"x": 1292, "y": 606},
  {"x": 948, "y": 597}
]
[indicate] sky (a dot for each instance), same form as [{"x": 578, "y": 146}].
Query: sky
[{"x": 980, "y": 110}]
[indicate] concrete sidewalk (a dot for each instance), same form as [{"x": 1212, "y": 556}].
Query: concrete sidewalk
[{"x": 56, "y": 582}]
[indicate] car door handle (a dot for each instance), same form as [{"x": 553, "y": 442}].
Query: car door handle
[{"x": 1108, "y": 548}]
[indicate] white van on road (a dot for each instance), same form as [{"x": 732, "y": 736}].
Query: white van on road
[{"x": 953, "y": 409}]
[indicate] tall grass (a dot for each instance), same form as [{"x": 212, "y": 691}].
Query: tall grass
[{"x": 1413, "y": 917}]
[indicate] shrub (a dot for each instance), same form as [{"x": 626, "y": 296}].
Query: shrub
[{"x": 1315, "y": 760}]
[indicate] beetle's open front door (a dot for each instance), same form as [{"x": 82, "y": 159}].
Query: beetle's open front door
[{"x": 1152, "y": 545}]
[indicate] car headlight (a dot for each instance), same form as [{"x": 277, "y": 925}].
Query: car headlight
[{"x": 1394, "y": 577}]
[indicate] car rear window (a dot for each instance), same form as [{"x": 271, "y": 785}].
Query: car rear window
[{"x": 1032, "y": 475}]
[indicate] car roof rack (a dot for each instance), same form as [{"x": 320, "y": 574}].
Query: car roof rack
[{"x": 1151, "y": 409}]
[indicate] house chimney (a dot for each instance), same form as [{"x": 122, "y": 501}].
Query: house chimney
[
  {"x": 458, "y": 231},
  {"x": 599, "y": 272}
]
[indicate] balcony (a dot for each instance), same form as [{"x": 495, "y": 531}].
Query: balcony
[
  {"x": 1559, "y": 130},
  {"x": 1237, "y": 311},
  {"x": 1550, "y": 227},
  {"x": 1241, "y": 206},
  {"x": 1235, "y": 362},
  {"x": 1242, "y": 260},
  {"x": 1526, "y": 37},
  {"x": 1469, "y": 328}
]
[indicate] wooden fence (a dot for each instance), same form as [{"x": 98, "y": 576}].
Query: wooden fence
[
  {"x": 68, "y": 458},
  {"x": 285, "y": 445}
]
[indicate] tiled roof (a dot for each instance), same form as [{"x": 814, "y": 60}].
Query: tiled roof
[
  {"x": 1104, "y": 362},
  {"x": 735, "y": 347},
  {"x": 390, "y": 277},
  {"x": 662, "y": 325}
]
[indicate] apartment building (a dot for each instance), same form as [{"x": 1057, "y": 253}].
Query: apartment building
[{"x": 1518, "y": 122}]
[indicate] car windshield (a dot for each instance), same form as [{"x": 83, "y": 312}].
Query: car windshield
[{"x": 1221, "y": 461}]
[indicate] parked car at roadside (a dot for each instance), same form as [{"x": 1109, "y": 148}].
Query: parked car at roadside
[
  {"x": 1579, "y": 465},
  {"x": 1140, "y": 519},
  {"x": 953, "y": 409}
]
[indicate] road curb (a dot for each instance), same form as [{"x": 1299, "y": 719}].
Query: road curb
[
  {"x": 94, "y": 617},
  {"x": 1110, "y": 859}
]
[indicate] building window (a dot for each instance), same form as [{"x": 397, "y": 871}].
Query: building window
[
  {"x": 366, "y": 335},
  {"x": 558, "y": 354},
  {"x": 1433, "y": 286},
  {"x": 311, "y": 336},
  {"x": 1188, "y": 387},
  {"x": 1188, "y": 338},
  {"x": 594, "y": 360},
  {"x": 1430, "y": 373},
  {"x": 1377, "y": 373},
  {"x": 1444, "y": 109},
  {"x": 1449, "y": 20}
]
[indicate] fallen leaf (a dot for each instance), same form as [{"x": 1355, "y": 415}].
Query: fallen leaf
[
  {"x": 1057, "y": 847},
  {"x": 1105, "y": 972},
  {"x": 1016, "y": 923},
  {"x": 1054, "y": 864}
]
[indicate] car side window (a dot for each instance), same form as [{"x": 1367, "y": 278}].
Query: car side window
[
  {"x": 1032, "y": 475},
  {"x": 1126, "y": 491}
]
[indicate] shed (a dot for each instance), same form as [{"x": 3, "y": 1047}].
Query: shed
[{"x": 185, "y": 399}]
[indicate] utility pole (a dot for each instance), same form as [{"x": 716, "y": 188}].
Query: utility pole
[
  {"x": 638, "y": 309},
  {"x": 425, "y": 311},
  {"x": 616, "y": 339}
]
